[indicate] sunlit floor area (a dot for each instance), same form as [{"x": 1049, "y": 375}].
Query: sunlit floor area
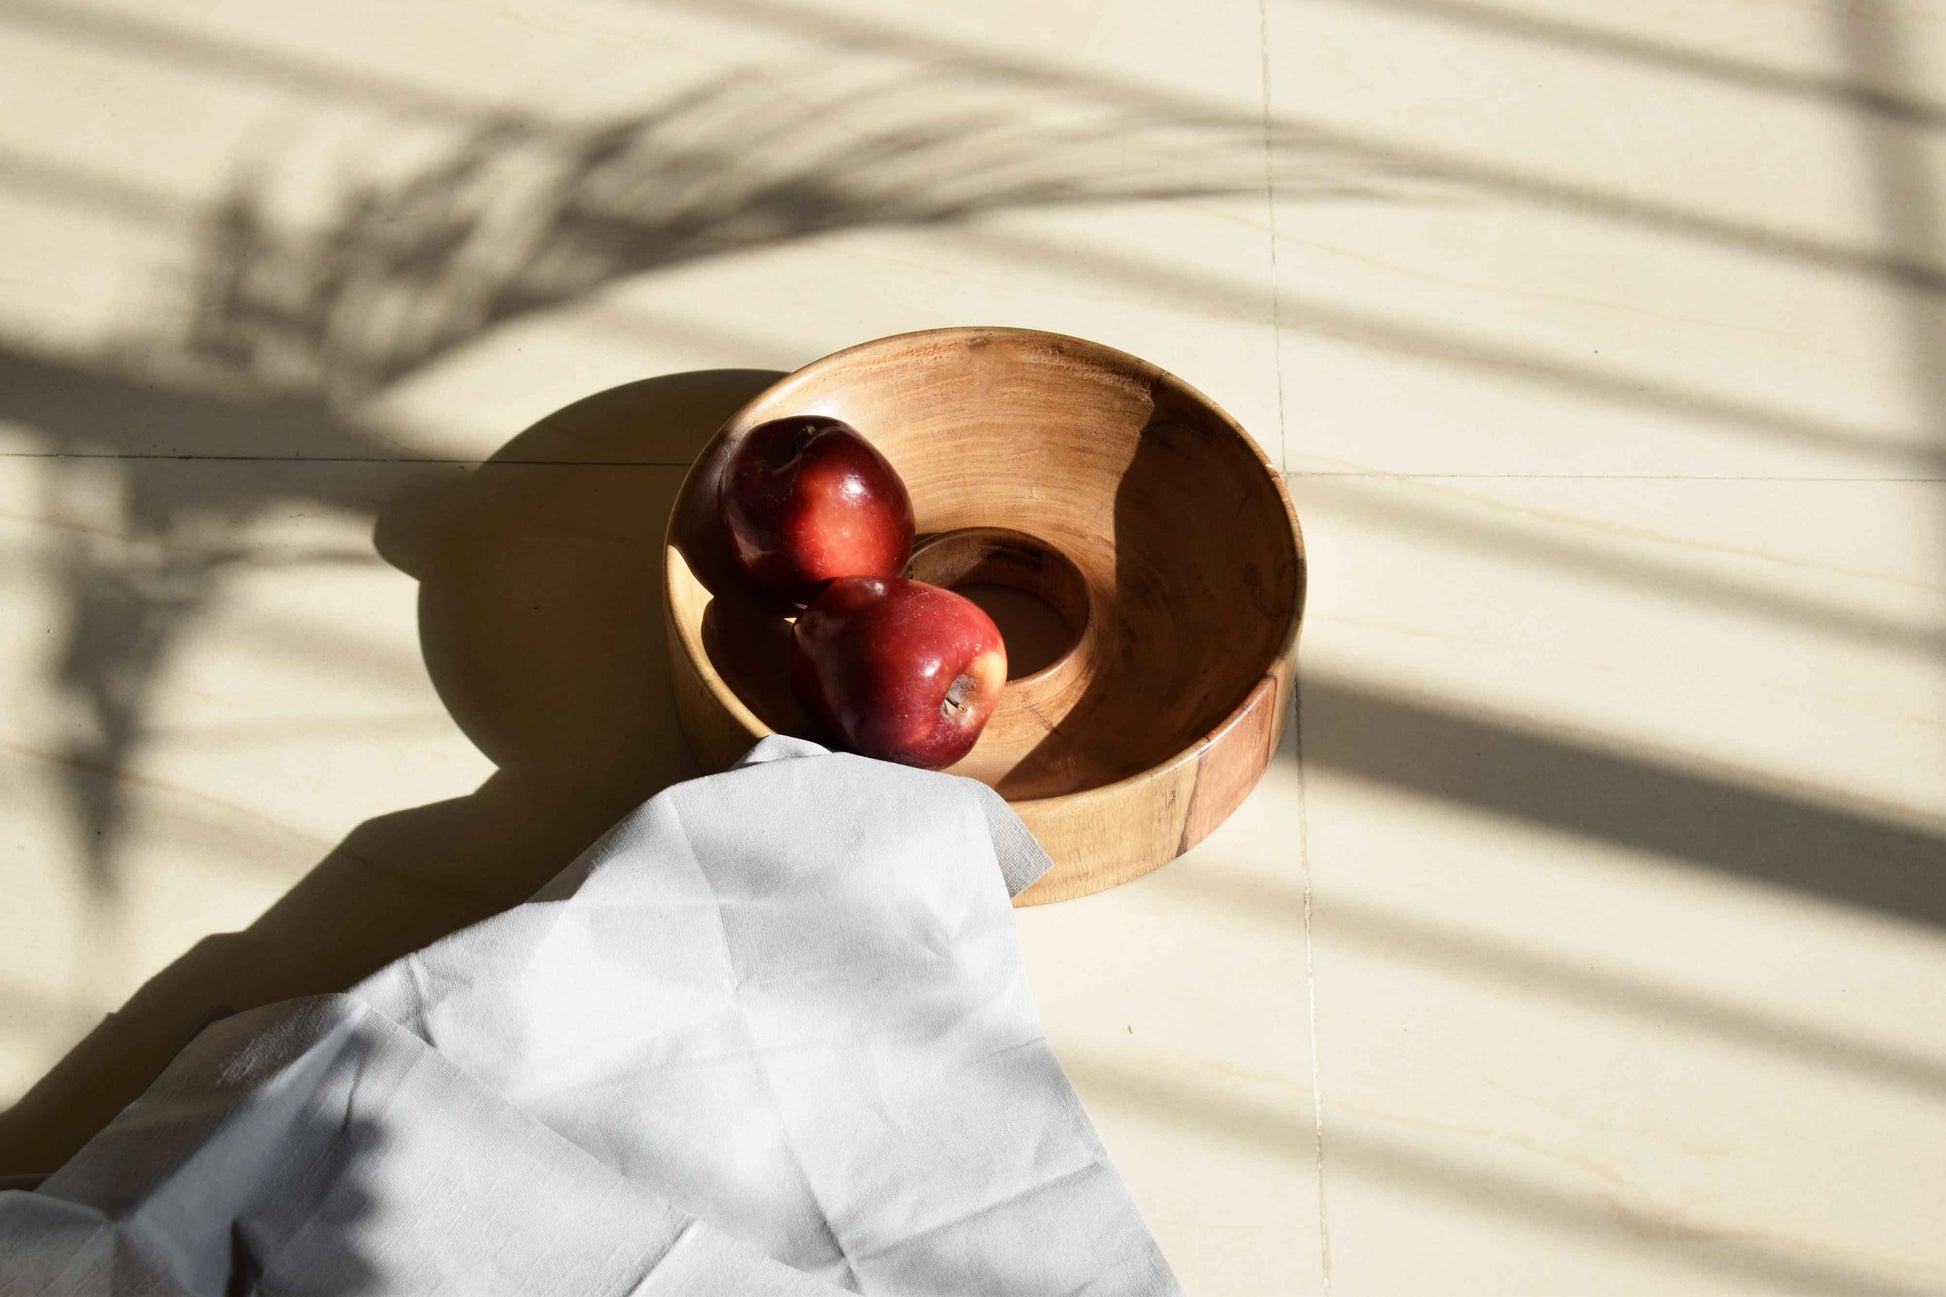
[{"x": 1587, "y": 935}]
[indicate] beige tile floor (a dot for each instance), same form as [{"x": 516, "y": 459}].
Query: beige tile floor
[{"x": 1589, "y": 934}]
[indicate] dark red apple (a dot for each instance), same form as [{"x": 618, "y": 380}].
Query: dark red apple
[
  {"x": 806, "y": 499},
  {"x": 897, "y": 669}
]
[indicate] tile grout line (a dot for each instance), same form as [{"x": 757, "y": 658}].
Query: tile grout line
[
  {"x": 1297, "y": 687},
  {"x": 1270, "y": 212},
  {"x": 1310, "y": 977},
  {"x": 349, "y": 459},
  {"x": 1383, "y": 475}
]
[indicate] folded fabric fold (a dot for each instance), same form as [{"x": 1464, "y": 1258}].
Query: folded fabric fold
[{"x": 771, "y": 1034}]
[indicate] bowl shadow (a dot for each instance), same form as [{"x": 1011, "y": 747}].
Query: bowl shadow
[{"x": 540, "y": 623}]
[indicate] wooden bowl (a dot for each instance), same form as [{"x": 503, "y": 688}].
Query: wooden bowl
[{"x": 1123, "y": 499}]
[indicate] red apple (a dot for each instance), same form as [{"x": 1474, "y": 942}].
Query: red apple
[
  {"x": 806, "y": 499},
  {"x": 897, "y": 669}
]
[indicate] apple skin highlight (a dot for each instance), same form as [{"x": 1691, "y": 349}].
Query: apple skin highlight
[{"x": 805, "y": 500}]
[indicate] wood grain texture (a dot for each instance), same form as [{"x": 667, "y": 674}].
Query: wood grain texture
[{"x": 1129, "y": 502}]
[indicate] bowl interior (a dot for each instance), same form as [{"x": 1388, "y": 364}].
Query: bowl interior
[{"x": 1179, "y": 529}]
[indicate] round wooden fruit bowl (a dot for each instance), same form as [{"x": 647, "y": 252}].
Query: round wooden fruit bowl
[{"x": 1116, "y": 493}]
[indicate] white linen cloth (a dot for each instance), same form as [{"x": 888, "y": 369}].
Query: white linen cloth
[{"x": 771, "y": 1035}]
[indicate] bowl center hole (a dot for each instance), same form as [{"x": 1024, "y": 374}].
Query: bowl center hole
[
  {"x": 1036, "y": 635},
  {"x": 1034, "y": 594}
]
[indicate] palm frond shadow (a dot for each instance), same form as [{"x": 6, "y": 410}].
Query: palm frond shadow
[{"x": 520, "y": 218}]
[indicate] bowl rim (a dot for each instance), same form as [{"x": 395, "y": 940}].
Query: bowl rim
[{"x": 1286, "y": 647}]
